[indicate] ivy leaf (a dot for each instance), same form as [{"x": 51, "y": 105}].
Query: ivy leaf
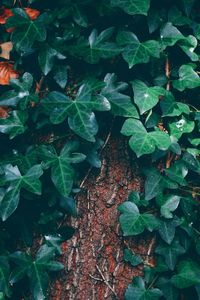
[
  {"x": 96, "y": 47},
  {"x": 155, "y": 183},
  {"x": 80, "y": 114},
  {"x": 188, "y": 45},
  {"x": 35, "y": 269},
  {"x": 27, "y": 31},
  {"x": 188, "y": 274},
  {"x": 30, "y": 181},
  {"x": 60, "y": 75},
  {"x": 191, "y": 162},
  {"x": 4, "y": 276},
  {"x": 21, "y": 93},
  {"x": 169, "y": 291},
  {"x": 134, "y": 223},
  {"x": 170, "y": 205},
  {"x": 146, "y": 97},
  {"x": 121, "y": 104},
  {"x": 180, "y": 127},
  {"x": 143, "y": 142},
  {"x": 171, "y": 108},
  {"x": 132, "y": 258},
  {"x": 170, "y": 35},
  {"x": 188, "y": 78},
  {"x": 62, "y": 173},
  {"x": 46, "y": 58},
  {"x": 137, "y": 52},
  {"x": 167, "y": 229},
  {"x": 132, "y": 7},
  {"x": 177, "y": 172},
  {"x": 14, "y": 124},
  {"x": 138, "y": 291},
  {"x": 170, "y": 253}
]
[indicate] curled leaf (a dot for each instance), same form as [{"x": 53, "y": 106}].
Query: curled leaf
[
  {"x": 6, "y": 48},
  {"x": 7, "y": 72},
  {"x": 5, "y": 13},
  {"x": 32, "y": 13}
]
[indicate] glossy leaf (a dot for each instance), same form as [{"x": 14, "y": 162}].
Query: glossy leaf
[
  {"x": 146, "y": 97},
  {"x": 188, "y": 274},
  {"x": 133, "y": 7},
  {"x": 143, "y": 142},
  {"x": 137, "y": 291},
  {"x": 62, "y": 172},
  {"x": 137, "y": 52}
]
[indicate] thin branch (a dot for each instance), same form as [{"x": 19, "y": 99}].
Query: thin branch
[
  {"x": 105, "y": 280},
  {"x": 167, "y": 73}
]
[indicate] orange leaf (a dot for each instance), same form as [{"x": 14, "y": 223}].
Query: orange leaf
[
  {"x": 3, "y": 112},
  {"x": 7, "y": 72},
  {"x": 6, "y": 48},
  {"x": 32, "y": 13},
  {"x": 5, "y": 13}
]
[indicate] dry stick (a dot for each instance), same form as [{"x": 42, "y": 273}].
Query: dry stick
[
  {"x": 151, "y": 245},
  {"x": 39, "y": 85},
  {"x": 167, "y": 73},
  {"x": 105, "y": 280}
]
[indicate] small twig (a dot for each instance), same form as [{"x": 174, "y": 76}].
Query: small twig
[
  {"x": 169, "y": 160},
  {"x": 167, "y": 73},
  {"x": 105, "y": 281},
  {"x": 39, "y": 85},
  {"x": 149, "y": 251},
  {"x": 95, "y": 278}
]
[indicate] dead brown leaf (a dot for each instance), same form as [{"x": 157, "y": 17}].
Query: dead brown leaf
[
  {"x": 7, "y": 72},
  {"x": 6, "y": 48}
]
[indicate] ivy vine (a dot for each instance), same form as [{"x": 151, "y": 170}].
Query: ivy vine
[{"x": 67, "y": 70}]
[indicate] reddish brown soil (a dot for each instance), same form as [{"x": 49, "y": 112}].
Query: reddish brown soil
[{"x": 95, "y": 269}]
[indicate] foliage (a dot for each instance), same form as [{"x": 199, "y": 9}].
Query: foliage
[{"x": 68, "y": 70}]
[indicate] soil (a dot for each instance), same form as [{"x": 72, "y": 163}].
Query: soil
[{"x": 95, "y": 269}]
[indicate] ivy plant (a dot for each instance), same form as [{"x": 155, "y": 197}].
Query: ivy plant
[{"x": 69, "y": 71}]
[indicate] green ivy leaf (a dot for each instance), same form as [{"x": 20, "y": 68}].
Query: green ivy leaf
[
  {"x": 121, "y": 104},
  {"x": 143, "y": 142},
  {"x": 177, "y": 172},
  {"x": 35, "y": 269},
  {"x": 170, "y": 35},
  {"x": 188, "y": 78},
  {"x": 62, "y": 173},
  {"x": 167, "y": 229},
  {"x": 4, "y": 277},
  {"x": 169, "y": 291},
  {"x": 46, "y": 58},
  {"x": 155, "y": 183},
  {"x": 181, "y": 126},
  {"x": 138, "y": 291},
  {"x": 191, "y": 162},
  {"x": 188, "y": 274},
  {"x": 80, "y": 114},
  {"x": 132, "y": 258},
  {"x": 170, "y": 253},
  {"x": 171, "y": 108},
  {"x": 146, "y": 97},
  {"x": 132, "y": 7},
  {"x": 137, "y": 52},
  {"x": 14, "y": 124},
  {"x": 170, "y": 205},
  {"x": 134, "y": 223},
  {"x": 96, "y": 47},
  {"x": 30, "y": 181},
  {"x": 27, "y": 31}
]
